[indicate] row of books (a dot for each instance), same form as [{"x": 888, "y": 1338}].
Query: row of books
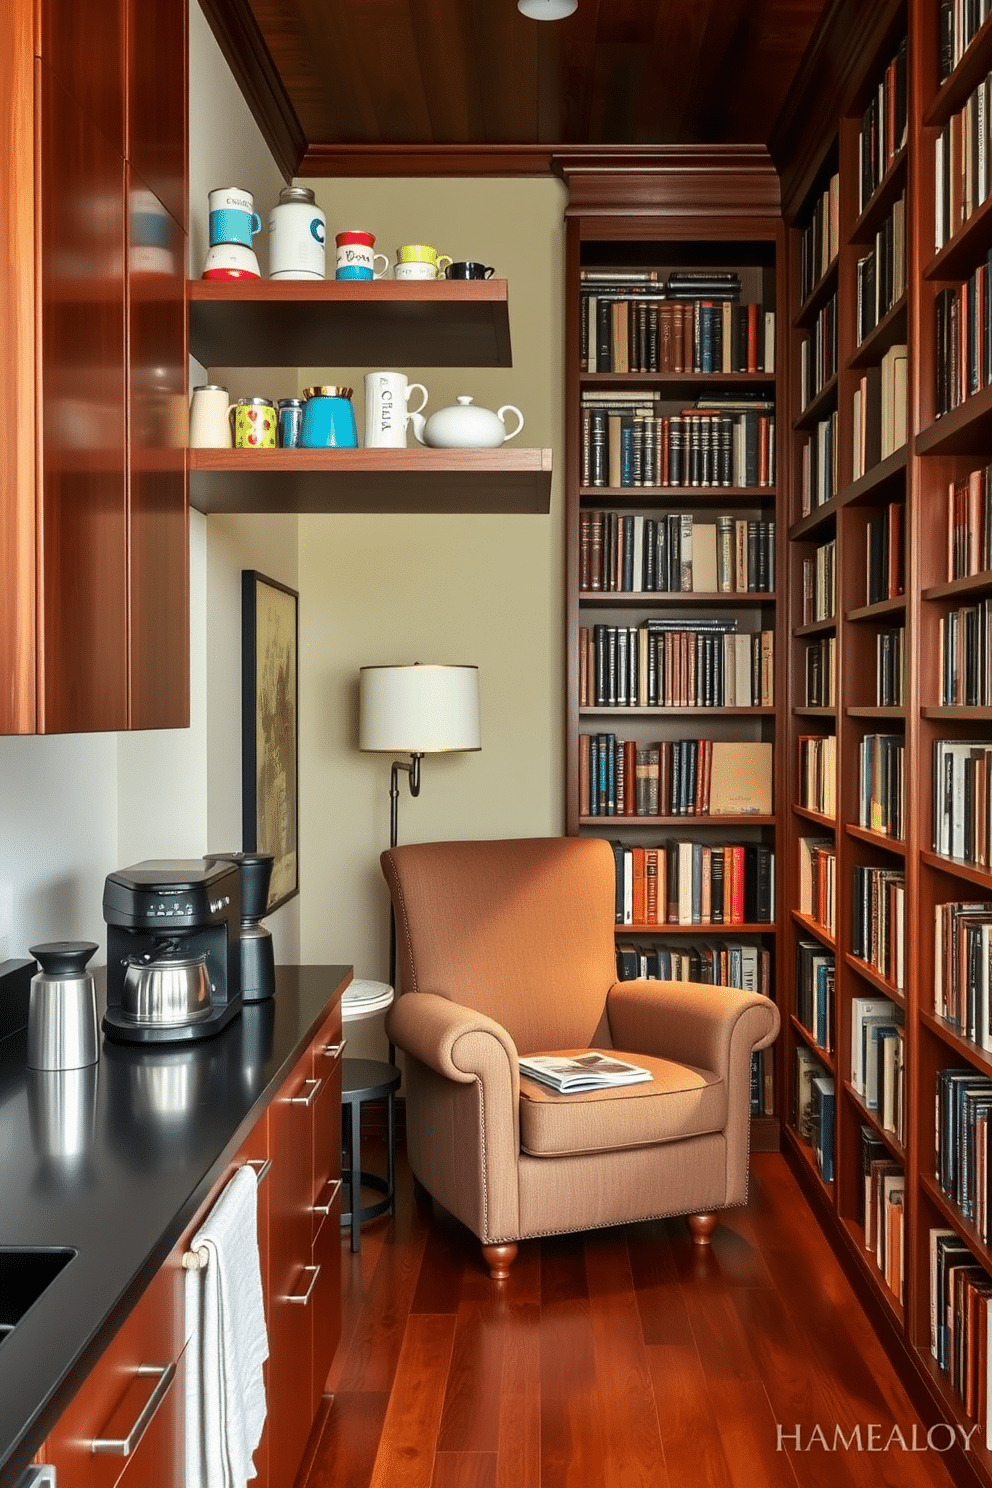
[
  {"x": 882, "y": 784},
  {"x": 881, "y": 1206},
  {"x": 885, "y": 553},
  {"x": 700, "y": 663},
  {"x": 820, "y": 241},
  {"x": 818, "y": 882},
  {"x": 692, "y": 883},
  {"x": 821, "y": 673},
  {"x": 624, "y": 552},
  {"x": 961, "y": 164},
  {"x": 890, "y": 667},
  {"x": 962, "y": 801},
  {"x": 712, "y": 963},
  {"x": 817, "y": 779},
  {"x": 966, "y": 659},
  {"x": 640, "y": 332},
  {"x": 674, "y": 777},
  {"x": 818, "y": 354},
  {"x": 629, "y": 440},
  {"x": 884, "y": 126},
  {"x": 963, "y": 1104},
  {"x": 963, "y": 968},
  {"x": 963, "y": 346},
  {"x": 878, "y": 923},
  {"x": 959, "y": 21},
  {"x": 877, "y": 1058},
  {"x": 959, "y": 1325},
  {"x": 815, "y": 1101},
  {"x": 815, "y": 974},
  {"x": 818, "y": 474},
  {"x": 880, "y": 410},
  {"x": 820, "y": 583},
  {"x": 881, "y": 272},
  {"x": 969, "y": 524}
]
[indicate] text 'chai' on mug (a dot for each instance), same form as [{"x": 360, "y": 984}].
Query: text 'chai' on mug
[
  {"x": 209, "y": 418},
  {"x": 233, "y": 218},
  {"x": 414, "y": 271},
  {"x": 356, "y": 257},
  {"x": 467, "y": 269},
  {"x": 387, "y": 408},
  {"x": 255, "y": 423}
]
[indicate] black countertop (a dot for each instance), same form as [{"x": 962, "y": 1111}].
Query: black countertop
[{"x": 153, "y": 1128}]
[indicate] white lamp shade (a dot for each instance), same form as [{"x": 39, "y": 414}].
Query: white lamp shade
[{"x": 418, "y": 709}]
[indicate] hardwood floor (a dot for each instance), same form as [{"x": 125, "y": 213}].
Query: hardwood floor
[{"x": 620, "y": 1358}]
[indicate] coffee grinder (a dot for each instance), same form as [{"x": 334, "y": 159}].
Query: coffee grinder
[
  {"x": 258, "y": 967},
  {"x": 173, "y": 950}
]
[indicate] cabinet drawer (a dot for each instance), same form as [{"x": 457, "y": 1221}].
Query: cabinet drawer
[{"x": 129, "y": 1409}]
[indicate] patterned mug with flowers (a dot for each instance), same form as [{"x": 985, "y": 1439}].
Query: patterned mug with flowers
[{"x": 254, "y": 423}]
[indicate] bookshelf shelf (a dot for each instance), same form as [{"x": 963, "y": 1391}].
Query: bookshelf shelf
[
  {"x": 804, "y": 1152},
  {"x": 966, "y": 248},
  {"x": 972, "y": 68},
  {"x": 867, "y": 1260},
  {"x": 809, "y": 926},
  {"x": 961, "y": 1047},
  {"x": 810, "y": 712},
  {"x": 824, "y": 401},
  {"x": 890, "y": 330},
  {"x": 876, "y": 839},
  {"x": 875, "y": 978},
  {"x": 882, "y": 610},
  {"x": 743, "y": 243},
  {"x": 881, "y": 715},
  {"x": 817, "y": 627},
  {"x": 870, "y": 1117},
  {"x": 876, "y": 483},
  {"x": 966, "y": 430},
  {"x": 825, "y": 286},
  {"x": 811, "y": 525},
  {"x": 958, "y": 868},
  {"x": 809, "y": 1039},
  {"x": 828, "y": 823},
  {"x": 957, "y": 713},
  {"x": 892, "y": 183},
  {"x": 951, "y": 1215},
  {"x": 974, "y": 584}
]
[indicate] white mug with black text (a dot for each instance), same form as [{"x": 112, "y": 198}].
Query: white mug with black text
[{"x": 387, "y": 410}]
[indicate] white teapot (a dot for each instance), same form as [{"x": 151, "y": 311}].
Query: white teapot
[{"x": 465, "y": 426}]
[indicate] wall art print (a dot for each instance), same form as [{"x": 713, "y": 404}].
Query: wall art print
[{"x": 270, "y": 728}]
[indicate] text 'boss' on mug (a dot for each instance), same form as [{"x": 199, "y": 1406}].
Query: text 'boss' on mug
[{"x": 387, "y": 408}]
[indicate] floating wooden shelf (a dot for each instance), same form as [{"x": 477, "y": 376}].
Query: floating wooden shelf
[
  {"x": 328, "y": 323},
  {"x": 473, "y": 481}
]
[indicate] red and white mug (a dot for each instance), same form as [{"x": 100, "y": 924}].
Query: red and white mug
[{"x": 356, "y": 256}]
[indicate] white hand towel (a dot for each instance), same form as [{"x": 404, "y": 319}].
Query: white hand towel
[{"x": 228, "y": 1343}]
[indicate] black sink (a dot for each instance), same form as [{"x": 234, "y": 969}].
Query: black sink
[{"x": 25, "y": 1273}]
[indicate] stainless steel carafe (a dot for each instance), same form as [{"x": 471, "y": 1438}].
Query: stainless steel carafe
[{"x": 62, "y": 1025}]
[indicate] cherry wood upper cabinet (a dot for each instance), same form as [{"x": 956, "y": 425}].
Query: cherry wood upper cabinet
[
  {"x": 83, "y": 44},
  {"x": 156, "y": 101},
  {"x": 83, "y": 538}
]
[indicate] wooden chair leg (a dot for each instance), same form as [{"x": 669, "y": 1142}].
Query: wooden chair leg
[
  {"x": 499, "y": 1259},
  {"x": 702, "y": 1227}
]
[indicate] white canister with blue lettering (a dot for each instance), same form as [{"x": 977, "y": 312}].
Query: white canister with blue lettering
[{"x": 296, "y": 236}]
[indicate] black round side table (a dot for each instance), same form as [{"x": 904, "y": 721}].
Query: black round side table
[{"x": 367, "y": 1080}]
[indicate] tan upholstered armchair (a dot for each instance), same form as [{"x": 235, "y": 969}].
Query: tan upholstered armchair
[{"x": 507, "y": 948}]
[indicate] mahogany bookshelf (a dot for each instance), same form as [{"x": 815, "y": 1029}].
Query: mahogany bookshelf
[
  {"x": 734, "y": 227},
  {"x": 817, "y": 134}
]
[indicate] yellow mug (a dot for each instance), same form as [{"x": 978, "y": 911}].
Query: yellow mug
[
  {"x": 422, "y": 253},
  {"x": 254, "y": 423}
]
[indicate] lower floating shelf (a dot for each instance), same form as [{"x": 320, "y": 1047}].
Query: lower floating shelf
[{"x": 305, "y": 481}]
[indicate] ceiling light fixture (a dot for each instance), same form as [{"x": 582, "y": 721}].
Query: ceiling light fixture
[{"x": 547, "y": 10}]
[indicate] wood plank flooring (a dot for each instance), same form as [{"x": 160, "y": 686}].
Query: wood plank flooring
[{"x": 618, "y": 1359}]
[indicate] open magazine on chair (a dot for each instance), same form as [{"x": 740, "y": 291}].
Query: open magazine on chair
[{"x": 567, "y": 1073}]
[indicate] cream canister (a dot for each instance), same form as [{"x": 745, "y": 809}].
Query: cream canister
[{"x": 296, "y": 236}]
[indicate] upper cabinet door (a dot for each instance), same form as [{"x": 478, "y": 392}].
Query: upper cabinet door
[
  {"x": 83, "y": 44},
  {"x": 156, "y": 99},
  {"x": 83, "y": 533}
]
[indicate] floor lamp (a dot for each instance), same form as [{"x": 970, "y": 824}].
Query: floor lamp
[{"x": 415, "y": 710}]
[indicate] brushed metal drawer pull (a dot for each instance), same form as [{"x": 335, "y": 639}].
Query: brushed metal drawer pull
[
  {"x": 304, "y": 1300},
  {"x": 261, "y": 1168},
  {"x": 125, "y": 1445},
  {"x": 307, "y": 1100},
  {"x": 331, "y": 1051},
  {"x": 332, "y": 1191}
]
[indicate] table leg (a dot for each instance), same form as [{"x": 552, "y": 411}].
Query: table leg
[{"x": 356, "y": 1175}]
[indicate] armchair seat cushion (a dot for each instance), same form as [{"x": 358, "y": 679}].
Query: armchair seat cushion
[{"x": 680, "y": 1101}]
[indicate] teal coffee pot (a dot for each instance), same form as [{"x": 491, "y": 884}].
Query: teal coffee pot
[{"x": 328, "y": 419}]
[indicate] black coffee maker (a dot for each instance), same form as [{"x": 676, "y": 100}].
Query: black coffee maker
[{"x": 173, "y": 950}]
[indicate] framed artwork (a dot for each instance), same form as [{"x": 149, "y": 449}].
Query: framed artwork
[{"x": 270, "y": 728}]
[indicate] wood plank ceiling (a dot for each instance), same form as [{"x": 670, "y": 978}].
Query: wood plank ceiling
[{"x": 343, "y": 86}]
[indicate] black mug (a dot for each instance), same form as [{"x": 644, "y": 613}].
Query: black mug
[{"x": 468, "y": 271}]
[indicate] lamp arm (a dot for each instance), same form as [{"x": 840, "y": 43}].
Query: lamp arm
[{"x": 412, "y": 768}]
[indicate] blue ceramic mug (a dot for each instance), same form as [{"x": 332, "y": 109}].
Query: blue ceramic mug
[
  {"x": 233, "y": 218},
  {"x": 329, "y": 419}
]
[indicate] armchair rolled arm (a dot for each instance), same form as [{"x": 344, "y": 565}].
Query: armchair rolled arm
[
  {"x": 690, "y": 1022},
  {"x": 454, "y": 1041}
]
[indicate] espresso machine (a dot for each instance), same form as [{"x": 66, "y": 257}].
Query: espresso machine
[{"x": 173, "y": 950}]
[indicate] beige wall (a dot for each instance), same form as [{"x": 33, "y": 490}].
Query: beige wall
[{"x": 485, "y": 590}]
